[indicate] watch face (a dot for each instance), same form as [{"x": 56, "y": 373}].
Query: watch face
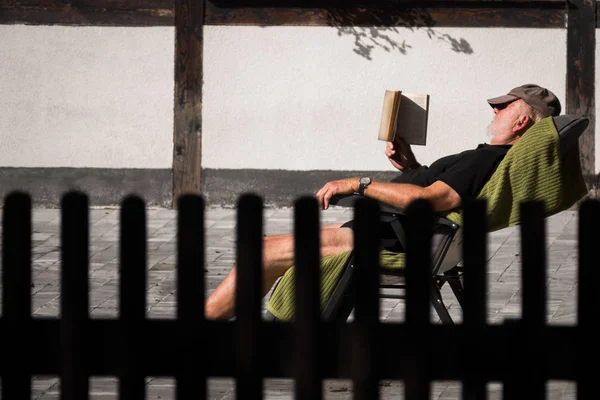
[{"x": 365, "y": 181}]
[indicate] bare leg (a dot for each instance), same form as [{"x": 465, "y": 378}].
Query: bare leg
[{"x": 278, "y": 257}]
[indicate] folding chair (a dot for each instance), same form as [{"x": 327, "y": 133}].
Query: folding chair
[
  {"x": 446, "y": 250},
  {"x": 446, "y": 265}
]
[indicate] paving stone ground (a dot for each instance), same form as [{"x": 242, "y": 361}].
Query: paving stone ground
[{"x": 503, "y": 288}]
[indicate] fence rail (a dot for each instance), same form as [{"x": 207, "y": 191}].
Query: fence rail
[{"x": 526, "y": 353}]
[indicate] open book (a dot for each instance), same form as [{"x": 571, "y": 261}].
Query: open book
[{"x": 404, "y": 114}]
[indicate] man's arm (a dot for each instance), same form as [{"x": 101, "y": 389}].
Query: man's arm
[{"x": 441, "y": 196}]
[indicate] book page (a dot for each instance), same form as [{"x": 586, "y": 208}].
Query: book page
[{"x": 412, "y": 118}]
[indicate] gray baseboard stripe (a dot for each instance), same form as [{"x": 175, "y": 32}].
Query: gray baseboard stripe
[
  {"x": 278, "y": 188},
  {"x": 220, "y": 187},
  {"x": 104, "y": 186}
]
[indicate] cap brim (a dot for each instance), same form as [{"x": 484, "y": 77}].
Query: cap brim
[{"x": 507, "y": 98}]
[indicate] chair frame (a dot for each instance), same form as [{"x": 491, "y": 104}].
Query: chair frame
[
  {"x": 340, "y": 310},
  {"x": 452, "y": 275}
]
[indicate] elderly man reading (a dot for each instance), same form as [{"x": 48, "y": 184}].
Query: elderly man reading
[{"x": 446, "y": 184}]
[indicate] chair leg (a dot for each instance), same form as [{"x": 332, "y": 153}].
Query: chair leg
[
  {"x": 439, "y": 306},
  {"x": 457, "y": 288},
  {"x": 341, "y": 302}
]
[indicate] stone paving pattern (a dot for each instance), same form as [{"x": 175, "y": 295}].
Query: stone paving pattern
[{"x": 504, "y": 291}]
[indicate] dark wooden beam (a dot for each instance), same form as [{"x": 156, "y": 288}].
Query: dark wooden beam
[
  {"x": 466, "y": 13},
  {"x": 187, "y": 135},
  {"x": 385, "y": 3},
  {"x": 88, "y": 12},
  {"x": 500, "y": 16},
  {"x": 581, "y": 93}
]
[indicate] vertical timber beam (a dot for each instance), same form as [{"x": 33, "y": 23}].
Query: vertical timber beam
[
  {"x": 187, "y": 135},
  {"x": 581, "y": 57}
]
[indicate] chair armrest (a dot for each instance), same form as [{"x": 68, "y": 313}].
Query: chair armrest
[
  {"x": 348, "y": 200},
  {"x": 391, "y": 215}
]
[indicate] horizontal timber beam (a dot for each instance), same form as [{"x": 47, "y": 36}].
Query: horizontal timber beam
[
  {"x": 386, "y": 3},
  {"x": 410, "y": 17},
  {"x": 440, "y": 13},
  {"x": 88, "y": 12}
]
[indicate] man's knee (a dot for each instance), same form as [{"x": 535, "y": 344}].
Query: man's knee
[
  {"x": 278, "y": 249},
  {"x": 335, "y": 241}
]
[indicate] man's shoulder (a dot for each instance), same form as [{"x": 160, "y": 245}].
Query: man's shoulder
[
  {"x": 483, "y": 149},
  {"x": 487, "y": 148},
  {"x": 493, "y": 146}
]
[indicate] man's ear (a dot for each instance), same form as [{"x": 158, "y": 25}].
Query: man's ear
[{"x": 522, "y": 123}]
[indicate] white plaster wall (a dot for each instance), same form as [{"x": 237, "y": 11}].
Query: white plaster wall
[
  {"x": 294, "y": 98},
  {"x": 303, "y": 98},
  {"x": 86, "y": 96}
]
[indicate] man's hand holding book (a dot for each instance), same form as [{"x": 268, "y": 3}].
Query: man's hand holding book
[{"x": 401, "y": 155}]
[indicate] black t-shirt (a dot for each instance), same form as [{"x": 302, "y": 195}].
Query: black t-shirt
[{"x": 465, "y": 172}]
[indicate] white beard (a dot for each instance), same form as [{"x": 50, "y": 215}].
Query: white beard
[
  {"x": 491, "y": 130},
  {"x": 496, "y": 128}
]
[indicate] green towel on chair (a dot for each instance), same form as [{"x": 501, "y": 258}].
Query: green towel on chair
[{"x": 531, "y": 170}]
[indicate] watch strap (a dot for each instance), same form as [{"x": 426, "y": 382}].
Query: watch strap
[{"x": 362, "y": 186}]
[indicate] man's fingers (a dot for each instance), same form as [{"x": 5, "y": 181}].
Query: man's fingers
[
  {"x": 326, "y": 199},
  {"x": 323, "y": 196},
  {"x": 401, "y": 144},
  {"x": 319, "y": 197},
  {"x": 321, "y": 201},
  {"x": 390, "y": 150}
]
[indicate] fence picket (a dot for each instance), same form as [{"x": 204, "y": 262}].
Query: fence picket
[
  {"x": 191, "y": 374},
  {"x": 16, "y": 287},
  {"x": 366, "y": 311},
  {"x": 249, "y": 384},
  {"x": 419, "y": 226},
  {"x": 307, "y": 299},
  {"x": 132, "y": 296},
  {"x": 588, "y": 302},
  {"x": 533, "y": 270},
  {"x": 533, "y": 278},
  {"x": 74, "y": 296},
  {"x": 528, "y": 377},
  {"x": 475, "y": 305}
]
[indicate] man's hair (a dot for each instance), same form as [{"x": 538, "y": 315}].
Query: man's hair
[{"x": 534, "y": 114}]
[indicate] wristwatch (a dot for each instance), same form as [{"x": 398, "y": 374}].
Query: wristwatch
[{"x": 362, "y": 184}]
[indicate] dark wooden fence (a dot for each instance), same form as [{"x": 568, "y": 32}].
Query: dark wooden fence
[{"x": 522, "y": 354}]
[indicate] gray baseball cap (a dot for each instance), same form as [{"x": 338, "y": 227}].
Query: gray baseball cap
[{"x": 536, "y": 96}]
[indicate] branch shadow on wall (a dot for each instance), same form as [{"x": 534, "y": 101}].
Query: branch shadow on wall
[{"x": 383, "y": 24}]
